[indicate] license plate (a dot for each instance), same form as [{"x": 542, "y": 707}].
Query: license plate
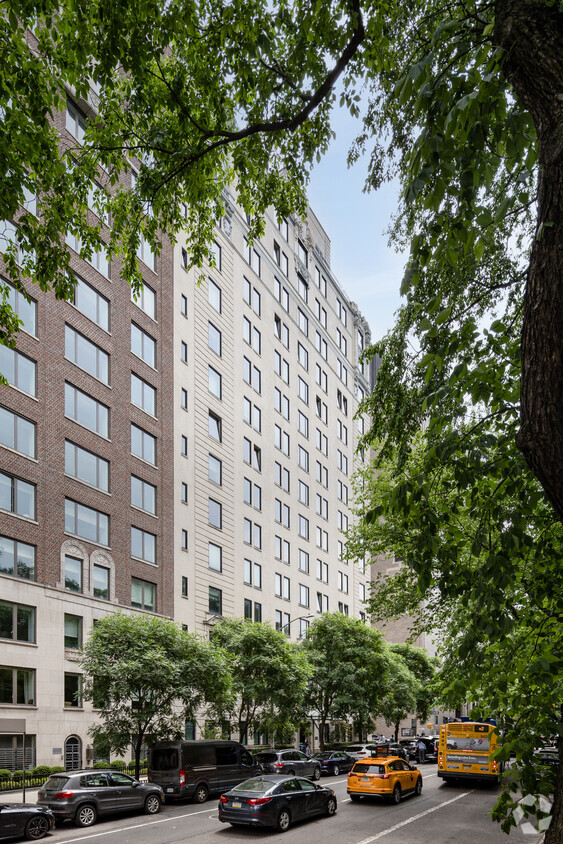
[
  {"x": 169, "y": 790},
  {"x": 365, "y": 779},
  {"x": 236, "y": 805}
]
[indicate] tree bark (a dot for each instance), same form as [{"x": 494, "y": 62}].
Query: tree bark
[{"x": 531, "y": 33}]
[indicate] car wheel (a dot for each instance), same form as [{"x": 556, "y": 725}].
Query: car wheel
[
  {"x": 152, "y": 804},
  {"x": 283, "y": 820},
  {"x": 85, "y": 816},
  {"x": 336, "y": 770},
  {"x": 418, "y": 786},
  {"x": 396, "y": 796},
  {"x": 201, "y": 794},
  {"x": 36, "y": 828},
  {"x": 331, "y": 806},
  {"x": 317, "y": 774},
  {"x": 290, "y": 773},
  {"x": 355, "y": 798}
]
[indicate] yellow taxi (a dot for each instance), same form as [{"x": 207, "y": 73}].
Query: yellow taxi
[{"x": 383, "y": 775}]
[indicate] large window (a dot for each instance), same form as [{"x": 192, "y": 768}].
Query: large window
[
  {"x": 17, "y": 433},
  {"x": 17, "y": 496},
  {"x": 86, "y": 411},
  {"x": 73, "y": 631},
  {"x": 18, "y": 370},
  {"x": 100, "y": 582},
  {"x": 17, "y": 558},
  {"x": 143, "y": 345},
  {"x": 143, "y": 594},
  {"x": 145, "y": 300},
  {"x": 86, "y": 522},
  {"x": 27, "y": 311},
  {"x": 143, "y": 394},
  {"x": 215, "y": 600},
  {"x": 215, "y": 511},
  {"x": 214, "y": 338},
  {"x": 215, "y": 556},
  {"x": 143, "y": 495},
  {"x": 17, "y": 686},
  {"x": 86, "y": 355},
  {"x": 86, "y": 466},
  {"x": 214, "y": 426},
  {"x": 73, "y": 690},
  {"x": 214, "y": 295},
  {"x": 17, "y": 622},
  {"x": 143, "y": 444},
  {"x": 143, "y": 545},
  {"x": 214, "y": 469},
  {"x": 214, "y": 381},
  {"x": 91, "y": 303}
]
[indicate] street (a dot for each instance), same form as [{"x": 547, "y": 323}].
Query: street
[{"x": 442, "y": 814}]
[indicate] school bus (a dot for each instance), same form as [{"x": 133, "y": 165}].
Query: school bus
[{"x": 465, "y": 751}]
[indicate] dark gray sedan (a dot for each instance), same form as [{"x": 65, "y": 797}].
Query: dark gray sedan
[
  {"x": 289, "y": 762},
  {"x": 275, "y": 801},
  {"x": 82, "y": 796},
  {"x": 23, "y": 819}
]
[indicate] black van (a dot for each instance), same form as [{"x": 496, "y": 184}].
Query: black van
[{"x": 199, "y": 768}]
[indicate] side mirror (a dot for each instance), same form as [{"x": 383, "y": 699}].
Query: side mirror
[{"x": 135, "y": 783}]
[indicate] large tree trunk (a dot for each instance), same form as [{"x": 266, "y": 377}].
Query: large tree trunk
[{"x": 531, "y": 33}]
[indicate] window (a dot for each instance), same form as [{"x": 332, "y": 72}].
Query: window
[
  {"x": 322, "y": 539},
  {"x": 322, "y": 602},
  {"x": 184, "y": 398},
  {"x": 303, "y": 561},
  {"x": 252, "y": 533},
  {"x": 303, "y": 493},
  {"x": 73, "y": 631},
  {"x": 342, "y": 492},
  {"x": 303, "y": 458},
  {"x": 214, "y": 295},
  {"x": 303, "y": 390},
  {"x": 214, "y": 338},
  {"x": 17, "y": 496},
  {"x": 322, "y": 571},
  {"x": 184, "y": 352},
  {"x": 252, "y": 494},
  {"x": 302, "y": 287},
  {"x": 342, "y": 431},
  {"x": 184, "y": 587},
  {"x": 302, "y": 321},
  {"x": 86, "y": 522},
  {"x": 302, "y": 254},
  {"x": 322, "y": 441},
  {"x": 184, "y": 305},
  {"x": 322, "y": 474},
  {"x": 283, "y": 228},
  {"x": 321, "y": 377},
  {"x": 342, "y": 521},
  {"x": 281, "y": 258},
  {"x": 281, "y": 440},
  {"x": 27, "y": 311},
  {"x": 252, "y": 297},
  {"x": 143, "y": 394},
  {"x": 282, "y": 587},
  {"x": 248, "y": 609},
  {"x": 184, "y": 446},
  {"x": 75, "y": 121},
  {"x": 214, "y": 469},
  {"x": 86, "y": 355},
  {"x": 100, "y": 580},
  {"x": 214, "y": 556},
  {"x": 303, "y": 527},
  {"x": 342, "y": 582},
  {"x": 303, "y": 595},
  {"x": 215, "y": 513},
  {"x": 281, "y": 476},
  {"x": 303, "y": 424},
  {"x": 143, "y": 444},
  {"x": 143, "y": 594},
  {"x": 252, "y": 454},
  {"x": 91, "y": 303},
  {"x": 252, "y": 414},
  {"x": 143, "y": 545},
  {"x": 214, "y": 428},
  {"x": 322, "y": 506},
  {"x": 145, "y": 299},
  {"x": 282, "y": 550},
  {"x": 282, "y": 294},
  {"x": 143, "y": 345},
  {"x": 17, "y": 558},
  {"x": 73, "y": 573},
  {"x": 17, "y": 686},
  {"x": 252, "y": 257},
  {"x": 282, "y": 513},
  {"x": 214, "y": 381},
  {"x": 86, "y": 411},
  {"x": 184, "y": 493},
  {"x": 362, "y": 592},
  {"x": 321, "y": 345},
  {"x": 17, "y": 622},
  {"x": 18, "y": 370},
  {"x": 215, "y": 601},
  {"x": 86, "y": 466},
  {"x": 342, "y": 461},
  {"x": 216, "y": 253},
  {"x": 184, "y": 539},
  {"x": 303, "y": 627}
]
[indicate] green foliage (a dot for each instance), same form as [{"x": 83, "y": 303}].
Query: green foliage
[
  {"x": 41, "y": 771},
  {"x": 57, "y": 769},
  {"x": 118, "y": 764},
  {"x": 256, "y": 651},
  {"x": 5, "y": 774},
  {"x": 148, "y": 677}
]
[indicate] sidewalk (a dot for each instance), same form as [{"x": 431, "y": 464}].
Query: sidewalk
[{"x": 16, "y": 796}]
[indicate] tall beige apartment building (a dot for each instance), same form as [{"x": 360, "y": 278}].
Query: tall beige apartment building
[{"x": 188, "y": 454}]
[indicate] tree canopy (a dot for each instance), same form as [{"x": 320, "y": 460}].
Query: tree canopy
[{"x": 147, "y": 677}]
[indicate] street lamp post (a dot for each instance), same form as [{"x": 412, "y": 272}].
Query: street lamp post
[{"x": 289, "y": 623}]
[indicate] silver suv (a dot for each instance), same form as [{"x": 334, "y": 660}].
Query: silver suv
[
  {"x": 289, "y": 762},
  {"x": 82, "y": 796}
]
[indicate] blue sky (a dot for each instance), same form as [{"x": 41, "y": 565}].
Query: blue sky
[{"x": 367, "y": 268}]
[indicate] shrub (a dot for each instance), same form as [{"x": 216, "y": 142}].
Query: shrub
[
  {"x": 41, "y": 771},
  {"x": 17, "y": 776},
  {"x": 118, "y": 764},
  {"x": 100, "y": 765},
  {"x": 5, "y": 774},
  {"x": 57, "y": 769}
]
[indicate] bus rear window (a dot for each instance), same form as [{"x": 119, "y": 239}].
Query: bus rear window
[
  {"x": 165, "y": 759},
  {"x": 470, "y": 742}
]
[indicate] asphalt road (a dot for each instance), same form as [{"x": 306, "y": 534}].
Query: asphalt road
[{"x": 443, "y": 814}]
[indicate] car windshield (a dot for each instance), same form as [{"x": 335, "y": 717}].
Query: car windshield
[
  {"x": 56, "y": 783},
  {"x": 266, "y": 757},
  {"x": 254, "y": 786},
  {"x": 362, "y": 768}
]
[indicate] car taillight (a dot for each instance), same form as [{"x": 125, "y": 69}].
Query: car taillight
[
  {"x": 182, "y": 777},
  {"x": 258, "y": 801},
  {"x": 495, "y": 766},
  {"x": 223, "y": 799},
  {"x": 382, "y": 776},
  {"x": 63, "y": 795},
  {"x": 440, "y": 760},
  {"x": 278, "y": 764}
]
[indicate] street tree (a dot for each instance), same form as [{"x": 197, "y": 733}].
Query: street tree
[
  {"x": 349, "y": 671},
  {"x": 268, "y": 674},
  {"x": 423, "y": 669},
  {"x": 147, "y": 677},
  {"x": 400, "y": 697}
]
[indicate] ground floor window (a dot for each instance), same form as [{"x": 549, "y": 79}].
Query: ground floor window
[{"x": 11, "y": 752}]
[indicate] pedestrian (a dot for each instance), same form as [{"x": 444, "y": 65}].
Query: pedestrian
[
  {"x": 421, "y": 751},
  {"x": 307, "y": 748}
]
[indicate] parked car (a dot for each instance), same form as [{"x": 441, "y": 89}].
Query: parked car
[
  {"x": 197, "y": 769},
  {"x": 275, "y": 801},
  {"x": 431, "y": 743},
  {"x": 25, "y": 820},
  {"x": 363, "y": 751},
  {"x": 410, "y": 748},
  {"x": 384, "y": 776},
  {"x": 83, "y": 796},
  {"x": 288, "y": 762},
  {"x": 334, "y": 762}
]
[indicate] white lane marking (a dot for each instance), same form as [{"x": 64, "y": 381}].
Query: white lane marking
[
  {"x": 414, "y": 818},
  {"x": 136, "y": 826}
]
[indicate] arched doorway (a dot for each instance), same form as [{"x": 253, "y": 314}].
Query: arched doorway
[{"x": 73, "y": 754}]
